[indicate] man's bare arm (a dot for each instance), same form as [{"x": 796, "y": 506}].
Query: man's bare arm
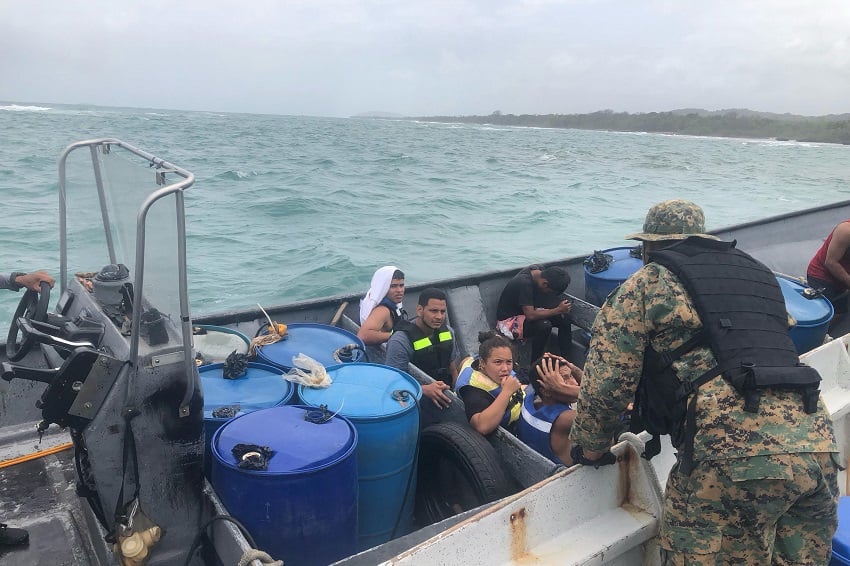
[
  {"x": 532, "y": 313},
  {"x": 373, "y": 329},
  {"x": 838, "y": 246}
]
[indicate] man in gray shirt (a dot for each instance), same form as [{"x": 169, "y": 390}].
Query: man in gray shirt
[
  {"x": 429, "y": 344},
  {"x": 17, "y": 280}
]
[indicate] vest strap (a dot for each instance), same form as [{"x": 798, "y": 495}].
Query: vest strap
[{"x": 667, "y": 358}]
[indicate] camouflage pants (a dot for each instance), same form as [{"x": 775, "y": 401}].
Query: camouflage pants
[{"x": 777, "y": 509}]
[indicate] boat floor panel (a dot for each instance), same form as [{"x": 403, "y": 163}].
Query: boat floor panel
[{"x": 39, "y": 496}]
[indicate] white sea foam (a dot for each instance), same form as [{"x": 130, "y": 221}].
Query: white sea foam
[
  {"x": 291, "y": 197},
  {"x": 22, "y": 108}
]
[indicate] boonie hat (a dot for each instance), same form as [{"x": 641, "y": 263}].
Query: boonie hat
[{"x": 672, "y": 220}]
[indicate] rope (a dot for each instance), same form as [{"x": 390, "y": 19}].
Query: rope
[
  {"x": 263, "y": 340},
  {"x": 349, "y": 353},
  {"x": 277, "y": 332},
  {"x": 35, "y": 455},
  {"x": 253, "y": 554}
]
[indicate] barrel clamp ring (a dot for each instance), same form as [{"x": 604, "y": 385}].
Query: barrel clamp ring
[
  {"x": 402, "y": 396},
  {"x": 320, "y": 415}
]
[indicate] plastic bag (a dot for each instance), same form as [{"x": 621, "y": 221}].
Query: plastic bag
[{"x": 307, "y": 371}]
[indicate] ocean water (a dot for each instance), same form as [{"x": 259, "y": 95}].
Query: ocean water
[{"x": 288, "y": 208}]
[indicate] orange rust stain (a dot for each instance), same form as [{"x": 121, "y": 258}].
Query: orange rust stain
[
  {"x": 519, "y": 534},
  {"x": 625, "y": 463}
]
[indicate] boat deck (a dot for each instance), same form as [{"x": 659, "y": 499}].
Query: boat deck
[{"x": 39, "y": 495}]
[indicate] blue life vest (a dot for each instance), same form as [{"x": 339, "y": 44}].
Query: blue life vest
[
  {"x": 535, "y": 425},
  {"x": 474, "y": 378},
  {"x": 396, "y": 313}
]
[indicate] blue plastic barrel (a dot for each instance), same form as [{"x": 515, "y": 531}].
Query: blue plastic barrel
[
  {"x": 387, "y": 421},
  {"x": 597, "y": 286},
  {"x": 841, "y": 540},
  {"x": 215, "y": 343},
  {"x": 812, "y": 313},
  {"x": 303, "y": 508},
  {"x": 260, "y": 388},
  {"x": 318, "y": 341}
]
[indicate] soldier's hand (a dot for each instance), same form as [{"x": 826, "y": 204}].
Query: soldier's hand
[{"x": 592, "y": 458}]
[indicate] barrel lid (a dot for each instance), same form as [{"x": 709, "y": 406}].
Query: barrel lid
[
  {"x": 298, "y": 445},
  {"x": 622, "y": 266},
  {"x": 261, "y": 387},
  {"x": 807, "y": 312},
  {"x": 318, "y": 341},
  {"x": 215, "y": 343},
  {"x": 363, "y": 390}
]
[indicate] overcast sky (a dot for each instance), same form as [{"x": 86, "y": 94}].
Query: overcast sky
[{"x": 339, "y": 58}]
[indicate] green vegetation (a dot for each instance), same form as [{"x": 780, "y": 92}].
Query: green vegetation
[{"x": 723, "y": 123}]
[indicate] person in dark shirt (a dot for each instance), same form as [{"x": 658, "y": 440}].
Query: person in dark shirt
[{"x": 531, "y": 304}]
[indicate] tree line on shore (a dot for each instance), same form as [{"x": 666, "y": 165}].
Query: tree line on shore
[{"x": 723, "y": 123}]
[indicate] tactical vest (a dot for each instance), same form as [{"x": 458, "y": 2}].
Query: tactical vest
[
  {"x": 745, "y": 324},
  {"x": 432, "y": 353},
  {"x": 397, "y": 313},
  {"x": 469, "y": 375}
]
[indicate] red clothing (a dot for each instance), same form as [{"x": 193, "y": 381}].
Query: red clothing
[{"x": 817, "y": 267}]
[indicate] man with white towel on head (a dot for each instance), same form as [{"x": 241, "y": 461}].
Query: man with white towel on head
[{"x": 381, "y": 309}]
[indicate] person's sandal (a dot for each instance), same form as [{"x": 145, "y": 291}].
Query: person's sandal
[{"x": 10, "y": 536}]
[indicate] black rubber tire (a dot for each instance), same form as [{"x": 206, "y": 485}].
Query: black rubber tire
[{"x": 458, "y": 470}]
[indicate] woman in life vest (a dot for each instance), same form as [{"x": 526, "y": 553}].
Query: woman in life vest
[{"x": 488, "y": 387}]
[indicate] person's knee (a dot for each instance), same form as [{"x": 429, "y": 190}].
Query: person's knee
[{"x": 537, "y": 328}]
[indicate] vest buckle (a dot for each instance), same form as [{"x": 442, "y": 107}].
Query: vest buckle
[{"x": 686, "y": 389}]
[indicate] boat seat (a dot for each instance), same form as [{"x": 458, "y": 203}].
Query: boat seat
[
  {"x": 466, "y": 307},
  {"x": 347, "y": 324}
]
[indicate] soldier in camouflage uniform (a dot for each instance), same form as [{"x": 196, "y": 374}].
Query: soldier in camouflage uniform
[{"x": 764, "y": 486}]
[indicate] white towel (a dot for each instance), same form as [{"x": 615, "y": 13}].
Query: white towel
[{"x": 377, "y": 291}]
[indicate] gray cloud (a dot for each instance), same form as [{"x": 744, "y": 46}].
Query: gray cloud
[{"x": 463, "y": 57}]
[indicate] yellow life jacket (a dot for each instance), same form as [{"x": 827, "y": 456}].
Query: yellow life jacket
[{"x": 470, "y": 376}]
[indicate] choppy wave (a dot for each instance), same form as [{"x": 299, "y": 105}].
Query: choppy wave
[
  {"x": 236, "y": 175},
  {"x": 292, "y": 208},
  {"x": 23, "y": 108}
]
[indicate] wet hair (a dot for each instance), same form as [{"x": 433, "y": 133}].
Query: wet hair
[
  {"x": 430, "y": 293},
  {"x": 488, "y": 341},
  {"x": 557, "y": 277},
  {"x": 397, "y": 274},
  {"x": 533, "y": 376}
]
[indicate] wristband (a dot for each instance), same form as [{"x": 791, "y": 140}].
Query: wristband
[{"x": 13, "y": 285}]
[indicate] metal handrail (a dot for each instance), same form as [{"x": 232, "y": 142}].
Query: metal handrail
[{"x": 174, "y": 188}]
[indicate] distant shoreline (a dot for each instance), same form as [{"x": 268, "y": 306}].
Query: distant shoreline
[{"x": 746, "y": 124}]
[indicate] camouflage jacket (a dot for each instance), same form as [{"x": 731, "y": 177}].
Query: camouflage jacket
[{"x": 652, "y": 308}]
